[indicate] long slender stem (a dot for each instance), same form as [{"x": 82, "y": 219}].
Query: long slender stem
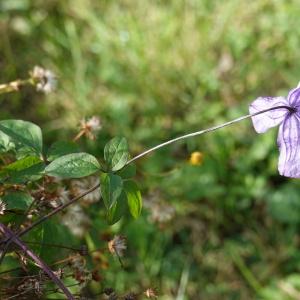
[
  {"x": 196, "y": 133},
  {"x": 6, "y": 231},
  {"x": 186, "y": 136}
]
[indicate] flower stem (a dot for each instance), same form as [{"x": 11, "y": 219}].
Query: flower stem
[
  {"x": 196, "y": 133},
  {"x": 14, "y": 86}
]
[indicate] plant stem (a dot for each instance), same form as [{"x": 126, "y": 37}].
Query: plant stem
[
  {"x": 14, "y": 86},
  {"x": 196, "y": 133},
  {"x": 7, "y": 232}
]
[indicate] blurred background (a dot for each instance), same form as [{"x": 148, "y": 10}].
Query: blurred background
[{"x": 223, "y": 227}]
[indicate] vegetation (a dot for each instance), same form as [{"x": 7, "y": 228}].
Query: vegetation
[{"x": 217, "y": 222}]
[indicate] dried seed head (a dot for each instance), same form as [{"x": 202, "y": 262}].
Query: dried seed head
[
  {"x": 161, "y": 211},
  {"x": 96, "y": 276},
  {"x": 108, "y": 291},
  {"x": 113, "y": 296},
  {"x": 78, "y": 262},
  {"x": 45, "y": 80},
  {"x": 89, "y": 128},
  {"x": 76, "y": 220},
  {"x": 150, "y": 293},
  {"x": 117, "y": 245},
  {"x": 31, "y": 285},
  {"x": 78, "y": 187}
]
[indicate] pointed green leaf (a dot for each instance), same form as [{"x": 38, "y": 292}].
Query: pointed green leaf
[
  {"x": 111, "y": 188},
  {"x": 117, "y": 210},
  {"x": 74, "y": 165},
  {"x": 134, "y": 198},
  {"x": 23, "y": 132},
  {"x": 61, "y": 148},
  {"x": 26, "y": 169},
  {"x": 5, "y": 143},
  {"x": 17, "y": 200},
  {"x": 116, "y": 153}
]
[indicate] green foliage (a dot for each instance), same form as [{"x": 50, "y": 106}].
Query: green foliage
[
  {"x": 111, "y": 188},
  {"x": 74, "y": 165},
  {"x": 61, "y": 148},
  {"x": 17, "y": 200},
  {"x": 127, "y": 172},
  {"x": 134, "y": 198},
  {"x": 116, "y": 153},
  {"x": 5, "y": 144},
  {"x": 117, "y": 209},
  {"x": 153, "y": 70},
  {"x": 23, "y": 132},
  {"x": 26, "y": 169},
  {"x": 284, "y": 205}
]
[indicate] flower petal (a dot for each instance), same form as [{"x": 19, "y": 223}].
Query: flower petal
[
  {"x": 294, "y": 96},
  {"x": 272, "y": 118},
  {"x": 289, "y": 146}
]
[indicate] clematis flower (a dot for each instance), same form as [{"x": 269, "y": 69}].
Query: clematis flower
[{"x": 287, "y": 116}]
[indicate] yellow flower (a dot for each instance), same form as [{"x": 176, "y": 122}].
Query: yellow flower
[{"x": 196, "y": 158}]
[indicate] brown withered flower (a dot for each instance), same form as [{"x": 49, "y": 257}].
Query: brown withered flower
[{"x": 117, "y": 245}]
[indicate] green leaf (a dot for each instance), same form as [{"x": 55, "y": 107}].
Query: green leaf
[
  {"x": 128, "y": 172},
  {"x": 134, "y": 198},
  {"x": 24, "y": 132},
  {"x": 55, "y": 233},
  {"x": 116, "y": 153},
  {"x": 23, "y": 151},
  {"x": 36, "y": 235},
  {"x": 17, "y": 200},
  {"x": 74, "y": 165},
  {"x": 117, "y": 210},
  {"x": 61, "y": 148},
  {"x": 26, "y": 169},
  {"x": 111, "y": 188},
  {"x": 5, "y": 143}
]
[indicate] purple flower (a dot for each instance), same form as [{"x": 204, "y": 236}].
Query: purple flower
[{"x": 288, "y": 117}]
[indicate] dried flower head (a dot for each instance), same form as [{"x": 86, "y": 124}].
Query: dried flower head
[
  {"x": 89, "y": 128},
  {"x": 80, "y": 186},
  {"x": 2, "y": 207},
  {"x": 108, "y": 291},
  {"x": 161, "y": 211},
  {"x": 78, "y": 262},
  {"x": 196, "y": 158},
  {"x": 117, "y": 245},
  {"x": 45, "y": 80},
  {"x": 150, "y": 293},
  {"x": 76, "y": 220},
  {"x": 49, "y": 198},
  {"x": 113, "y": 296},
  {"x": 31, "y": 285},
  {"x": 130, "y": 296}
]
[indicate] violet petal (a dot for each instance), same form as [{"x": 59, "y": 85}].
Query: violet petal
[
  {"x": 294, "y": 97},
  {"x": 272, "y": 118},
  {"x": 289, "y": 147}
]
